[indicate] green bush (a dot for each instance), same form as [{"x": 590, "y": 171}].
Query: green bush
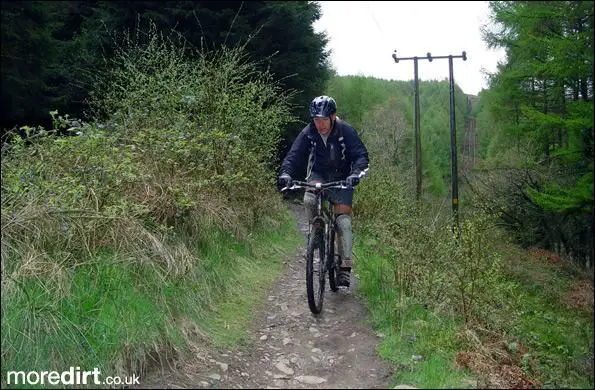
[
  {"x": 428, "y": 263},
  {"x": 179, "y": 150},
  {"x": 177, "y": 142}
]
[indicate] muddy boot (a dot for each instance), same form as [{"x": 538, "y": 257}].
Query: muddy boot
[{"x": 344, "y": 274}]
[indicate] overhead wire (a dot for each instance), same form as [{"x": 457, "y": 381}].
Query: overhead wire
[{"x": 382, "y": 34}]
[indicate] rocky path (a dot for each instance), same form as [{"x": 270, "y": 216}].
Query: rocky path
[{"x": 291, "y": 348}]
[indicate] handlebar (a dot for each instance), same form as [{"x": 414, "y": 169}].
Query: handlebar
[{"x": 341, "y": 184}]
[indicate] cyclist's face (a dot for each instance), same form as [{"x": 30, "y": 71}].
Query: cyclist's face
[{"x": 323, "y": 125}]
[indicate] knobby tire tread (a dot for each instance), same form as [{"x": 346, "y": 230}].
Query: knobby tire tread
[{"x": 315, "y": 302}]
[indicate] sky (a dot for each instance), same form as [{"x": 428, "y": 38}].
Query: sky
[{"x": 364, "y": 34}]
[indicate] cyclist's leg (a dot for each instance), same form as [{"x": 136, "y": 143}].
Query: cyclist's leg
[
  {"x": 344, "y": 233},
  {"x": 343, "y": 200},
  {"x": 309, "y": 197}
]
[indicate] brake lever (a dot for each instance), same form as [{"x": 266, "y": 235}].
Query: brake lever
[{"x": 293, "y": 187}]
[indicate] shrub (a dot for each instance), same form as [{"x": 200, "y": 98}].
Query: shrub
[{"x": 180, "y": 146}]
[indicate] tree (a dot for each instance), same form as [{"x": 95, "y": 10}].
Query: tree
[
  {"x": 52, "y": 50},
  {"x": 28, "y": 53},
  {"x": 542, "y": 100}
]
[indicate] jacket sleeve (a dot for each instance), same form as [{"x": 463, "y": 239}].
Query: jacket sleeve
[
  {"x": 358, "y": 154},
  {"x": 297, "y": 155}
]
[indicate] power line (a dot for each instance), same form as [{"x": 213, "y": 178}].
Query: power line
[
  {"x": 374, "y": 19},
  {"x": 382, "y": 35}
]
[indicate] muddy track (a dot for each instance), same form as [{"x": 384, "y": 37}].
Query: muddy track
[{"x": 291, "y": 348}]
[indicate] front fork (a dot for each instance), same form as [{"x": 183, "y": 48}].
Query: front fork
[{"x": 317, "y": 229}]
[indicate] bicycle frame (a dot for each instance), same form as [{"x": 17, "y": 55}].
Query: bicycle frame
[
  {"x": 328, "y": 216},
  {"x": 324, "y": 220}
]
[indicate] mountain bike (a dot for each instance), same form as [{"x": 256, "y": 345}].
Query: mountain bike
[{"x": 320, "y": 256}]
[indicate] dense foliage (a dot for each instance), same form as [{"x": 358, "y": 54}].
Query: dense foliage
[
  {"x": 51, "y": 50},
  {"x": 507, "y": 314},
  {"x": 126, "y": 206},
  {"x": 536, "y": 124},
  {"x": 382, "y": 111}
]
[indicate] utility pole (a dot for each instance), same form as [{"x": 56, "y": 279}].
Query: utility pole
[
  {"x": 418, "y": 179},
  {"x": 453, "y": 135}
]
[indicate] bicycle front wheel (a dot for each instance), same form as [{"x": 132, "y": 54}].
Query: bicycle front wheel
[{"x": 315, "y": 265}]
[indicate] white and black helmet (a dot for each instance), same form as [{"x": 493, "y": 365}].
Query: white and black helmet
[{"x": 323, "y": 106}]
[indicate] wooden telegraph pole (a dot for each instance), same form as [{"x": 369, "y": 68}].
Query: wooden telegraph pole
[{"x": 418, "y": 178}]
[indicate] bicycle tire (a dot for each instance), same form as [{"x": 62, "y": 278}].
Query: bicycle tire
[
  {"x": 332, "y": 265},
  {"x": 315, "y": 297}
]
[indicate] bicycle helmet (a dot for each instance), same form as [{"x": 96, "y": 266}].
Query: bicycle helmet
[{"x": 323, "y": 106}]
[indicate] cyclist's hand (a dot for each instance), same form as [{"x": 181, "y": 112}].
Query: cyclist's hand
[
  {"x": 352, "y": 180},
  {"x": 285, "y": 180}
]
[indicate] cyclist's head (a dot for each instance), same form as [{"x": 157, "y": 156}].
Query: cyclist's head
[
  {"x": 323, "y": 107},
  {"x": 323, "y": 111}
]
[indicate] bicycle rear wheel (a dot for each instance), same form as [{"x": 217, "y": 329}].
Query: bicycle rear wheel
[
  {"x": 332, "y": 264},
  {"x": 315, "y": 267}
]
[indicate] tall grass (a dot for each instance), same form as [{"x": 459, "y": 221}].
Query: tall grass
[
  {"x": 125, "y": 318},
  {"x": 454, "y": 309},
  {"x": 118, "y": 243}
]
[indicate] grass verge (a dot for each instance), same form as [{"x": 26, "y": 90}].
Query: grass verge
[
  {"x": 125, "y": 317},
  {"x": 253, "y": 273},
  {"x": 541, "y": 337},
  {"x": 419, "y": 343},
  {"x": 551, "y": 318}
]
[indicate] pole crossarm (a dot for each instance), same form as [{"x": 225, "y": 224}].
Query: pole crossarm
[{"x": 428, "y": 57}]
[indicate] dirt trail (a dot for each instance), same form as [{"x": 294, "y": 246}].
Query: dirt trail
[{"x": 291, "y": 348}]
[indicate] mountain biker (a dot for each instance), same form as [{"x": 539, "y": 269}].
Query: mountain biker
[{"x": 333, "y": 151}]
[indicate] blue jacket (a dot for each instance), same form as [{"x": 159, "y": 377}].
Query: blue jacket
[{"x": 343, "y": 154}]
